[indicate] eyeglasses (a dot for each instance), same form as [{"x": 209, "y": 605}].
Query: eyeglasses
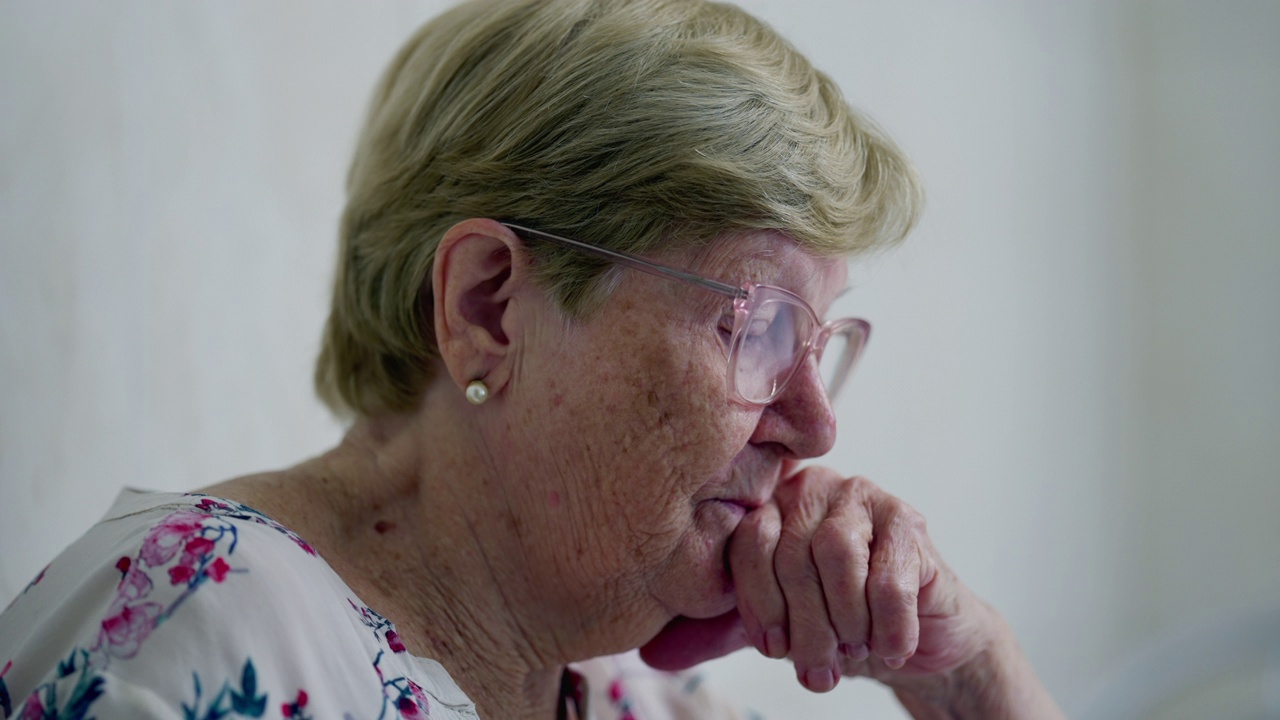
[{"x": 774, "y": 330}]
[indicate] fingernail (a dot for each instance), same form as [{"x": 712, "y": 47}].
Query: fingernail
[
  {"x": 775, "y": 643},
  {"x": 856, "y": 653},
  {"x": 895, "y": 663},
  {"x": 820, "y": 680}
]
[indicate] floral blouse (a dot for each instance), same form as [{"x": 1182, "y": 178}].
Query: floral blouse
[{"x": 194, "y": 607}]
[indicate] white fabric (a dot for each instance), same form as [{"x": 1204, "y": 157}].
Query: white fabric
[{"x": 184, "y": 605}]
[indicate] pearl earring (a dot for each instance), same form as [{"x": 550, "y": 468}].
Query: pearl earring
[{"x": 477, "y": 392}]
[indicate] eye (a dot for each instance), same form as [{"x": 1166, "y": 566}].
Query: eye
[{"x": 725, "y": 327}]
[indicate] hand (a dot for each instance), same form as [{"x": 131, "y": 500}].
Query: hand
[{"x": 842, "y": 578}]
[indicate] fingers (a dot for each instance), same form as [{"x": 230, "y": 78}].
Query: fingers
[
  {"x": 841, "y": 550},
  {"x": 893, "y": 583},
  {"x": 760, "y": 602},
  {"x": 804, "y": 502},
  {"x": 812, "y": 638},
  {"x": 830, "y": 575},
  {"x": 780, "y": 597}
]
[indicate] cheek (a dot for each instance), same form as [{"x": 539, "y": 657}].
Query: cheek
[{"x": 679, "y": 428}]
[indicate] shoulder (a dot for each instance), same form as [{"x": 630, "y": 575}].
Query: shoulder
[{"x": 204, "y": 605}]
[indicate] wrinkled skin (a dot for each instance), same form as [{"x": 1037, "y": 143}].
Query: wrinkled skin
[
  {"x": 658, "y": 500},
  {"x": 842, "y": 578},
  {"x": 830, "y": 572}
]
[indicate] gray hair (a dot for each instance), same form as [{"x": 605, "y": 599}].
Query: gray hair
[{"x": 639, "y": 125}]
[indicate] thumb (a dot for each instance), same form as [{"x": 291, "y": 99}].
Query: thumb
[{"x": 685, "y": 642}]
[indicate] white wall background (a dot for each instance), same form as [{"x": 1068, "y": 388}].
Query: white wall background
[{"x": 1076, "y": 368}]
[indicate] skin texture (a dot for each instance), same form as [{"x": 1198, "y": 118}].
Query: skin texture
[{"x": 590, "y": 505}]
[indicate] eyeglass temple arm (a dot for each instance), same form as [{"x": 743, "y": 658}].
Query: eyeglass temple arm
[{"x": 649, "y": 266}]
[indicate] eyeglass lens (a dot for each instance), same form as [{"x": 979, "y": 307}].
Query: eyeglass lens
[
  {"x": 771, "y": 344},
  {"x": 837, "y": 360}
]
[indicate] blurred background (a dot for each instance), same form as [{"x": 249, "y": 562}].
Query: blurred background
[{"x": 1075, "y": 372}]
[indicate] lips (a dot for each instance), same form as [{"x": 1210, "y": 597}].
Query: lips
[
  {"x": 750, "y": 490},
  {"x": 737, "y": 509},
  {"x": 754, "y": 479},
  {"x": 746, "y": 505}
]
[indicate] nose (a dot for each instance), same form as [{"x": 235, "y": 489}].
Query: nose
[{"x": 801, "y": 418}]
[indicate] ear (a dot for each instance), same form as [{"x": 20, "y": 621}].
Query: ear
[{"x": 479, "y": 266}]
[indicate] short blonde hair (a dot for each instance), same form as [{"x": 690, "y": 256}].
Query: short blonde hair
[{"x": 639, "y": 125}]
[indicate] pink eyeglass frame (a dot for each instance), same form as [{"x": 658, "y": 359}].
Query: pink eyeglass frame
[{"x": 745, "y": 299}]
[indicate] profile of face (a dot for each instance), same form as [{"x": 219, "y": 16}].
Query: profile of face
[{"x": 634, "y": 462}]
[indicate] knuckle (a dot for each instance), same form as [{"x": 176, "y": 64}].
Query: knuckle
[
  {"x": 912, "y": 520},
  {"x": 861, "y": 485},
  {"x": 897, "y": 644},
  {"x": 893, "y": 587},
  {"x": 836, "y": 547},
  {"x": 759, "y": 530},
  {"x": 846, "y": 493}
]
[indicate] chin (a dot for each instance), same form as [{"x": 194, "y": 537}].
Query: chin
[{"x": 704, "y": 586}]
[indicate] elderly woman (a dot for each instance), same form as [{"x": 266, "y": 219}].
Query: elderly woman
[{"x": 577, "y": 326}]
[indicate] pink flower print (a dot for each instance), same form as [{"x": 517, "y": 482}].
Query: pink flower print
[
  {"x": 218, "y": 570},
  {"x": 408, "y": 708},
  {"x": 302, "y": 543},
  {"x": 135, "y": 585},
  {"x": 294, "y": 709},
  {"x": 393, "y": 641},
  {"x": 123, "y": 565},
  {"x": 209, "y": 504},
  {"x": 124, "y": 631},
  {"x": 616, "y": 691},
  {"x": 179, "y": 574},
  {"x": 420, "y": 697},
  {"x": 164, "y": 540},
  {"x": 193, "y": 554},
  {"x": 198, "y": 547},
  {"x": 34, "y": 709},
  {"x": 129, "y": 620}
]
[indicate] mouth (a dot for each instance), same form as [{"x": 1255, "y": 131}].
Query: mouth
[
  {"x": 741, "y": 506},
  {"x": 729, "y": 511},
  {"x": 751, "y": 491},
  {"x": 749, "y": 488}
]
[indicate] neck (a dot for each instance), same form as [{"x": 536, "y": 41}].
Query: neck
[{"x": 406, "y": 515}]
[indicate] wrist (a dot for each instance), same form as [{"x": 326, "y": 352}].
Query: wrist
[{"x": 996, "y": 683}]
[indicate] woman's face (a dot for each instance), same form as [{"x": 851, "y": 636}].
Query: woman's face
[{"x": 633, "y": 464}]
